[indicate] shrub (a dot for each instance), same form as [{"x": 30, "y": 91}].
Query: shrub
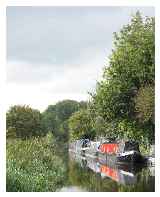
[{"x": 32, "y": 166}]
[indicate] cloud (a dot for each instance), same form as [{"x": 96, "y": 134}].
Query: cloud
[
  {"x": 58, "y": 35},
  {"x": 33, "y": 96},
  {"x": 39, "y": 86},
  {"x": 19, "y": 72},
  {"x": 89, "y": 64},
  {"x": 56, "y": 53}
]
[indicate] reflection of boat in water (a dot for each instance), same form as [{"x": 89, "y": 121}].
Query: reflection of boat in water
[
  {"x": 93, "y": 164},
  {"x": 124, "y": 174},
  {"x": 78, "y": 158},
  {"x": 119, "y": 174},
  {"x": 152, "y": 171}
]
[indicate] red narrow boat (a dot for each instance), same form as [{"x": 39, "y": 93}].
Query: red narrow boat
[
  {"x": 109, "y": 148},
  {"x": 127, "y": 151}
]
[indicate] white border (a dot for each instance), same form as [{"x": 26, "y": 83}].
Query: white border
[
  {"x": 2, "y": 99},
  {"x": 136, "y": 3},
  {"x": 157, "y": 100},
  {"x": 81, "y": 2}
]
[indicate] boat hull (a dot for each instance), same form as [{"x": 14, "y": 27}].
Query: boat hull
[{"x": 135, "y": 158}]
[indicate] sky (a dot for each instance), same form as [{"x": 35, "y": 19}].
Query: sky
[{"x": 57, "y": 53}]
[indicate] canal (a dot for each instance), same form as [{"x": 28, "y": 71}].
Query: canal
[{"x": 86, "y": 174}]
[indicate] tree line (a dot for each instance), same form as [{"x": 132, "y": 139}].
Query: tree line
[{"x": 25, "y": 122}]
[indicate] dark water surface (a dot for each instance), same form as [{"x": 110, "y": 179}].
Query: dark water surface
[{"x": 89, "y": 175}]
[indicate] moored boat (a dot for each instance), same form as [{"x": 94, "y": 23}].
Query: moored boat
[{"x": 124, "y": 151}]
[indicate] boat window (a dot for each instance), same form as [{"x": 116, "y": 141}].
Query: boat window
[{"x": 131, "y": 146}]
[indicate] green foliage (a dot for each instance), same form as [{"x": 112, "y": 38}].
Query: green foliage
[
  {"x": 49, "y": 118},
  {"x": 55, "y": 117},
  {"x": 80, "y": 125},
  {"x": 132, "y": 61},
  {"x": 99, "y": 125},
  {"x": 130, "y": 130},
  {"x": 131, "y": 66},
  {"x": 24, "y": 122},
  {"x": 127, "y": 82},
  {"x": 144, "y": 104},
  {"x": 63, "y": 132},
  {"x": 64, "y": 109},
  {"x": 33, "y": 166}
]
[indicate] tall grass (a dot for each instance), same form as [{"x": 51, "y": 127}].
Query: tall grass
[{"x": 32, "y": 165}]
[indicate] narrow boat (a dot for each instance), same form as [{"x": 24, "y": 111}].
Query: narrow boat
[
  {"x": 91, "y": 149},
  {"x": 124, "y": 151},
  {"x": 79, "y": 146}
]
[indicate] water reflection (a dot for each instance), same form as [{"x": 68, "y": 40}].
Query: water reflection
[
  {"x": 90, "y": 174},
  {"x": 72, "y": 189}
]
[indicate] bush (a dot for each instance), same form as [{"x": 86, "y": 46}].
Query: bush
[{"x": 32, "y": 166}]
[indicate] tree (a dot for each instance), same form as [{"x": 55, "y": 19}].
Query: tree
[
  {"x": 24, "y": 122},
  {"x": 49, "y": 119},
  {"x": 55, "y": 117},
  {"x": 131, "y": 67},
  {"x": 80, "y": 125},
  {"x": 65, "y": 108}
]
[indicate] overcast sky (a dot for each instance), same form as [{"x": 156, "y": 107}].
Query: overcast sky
[{"x": 56, "y": 53}]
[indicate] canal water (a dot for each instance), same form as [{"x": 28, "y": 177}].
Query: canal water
[{"x": 86, "y": 174}]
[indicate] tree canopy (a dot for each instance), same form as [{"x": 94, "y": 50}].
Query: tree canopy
[
  {"x": 55, "y": 117},
  {"x": 24, "y": 122},
  {"x": 80, "y": 125}
]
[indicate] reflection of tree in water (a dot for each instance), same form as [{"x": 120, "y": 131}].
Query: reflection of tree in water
[
  {"x": 85, "y": 178},
  {"x": 61, "y": 150},
  {"x": 145, "y": 182}
]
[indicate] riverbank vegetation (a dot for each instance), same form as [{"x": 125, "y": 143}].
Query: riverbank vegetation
[
  {"x": 121, "y": 107},
  {"x": 32, "y": 165},
  {"x": 37, "y": 147}
]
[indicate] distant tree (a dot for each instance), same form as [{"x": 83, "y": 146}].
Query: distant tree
[
  {"x": 49, "y": 119},
  {"x": 65, "y": 108},
  {"x": 63, "y": 132},
  {"x": 55, "y": 117},
  {"x": 24, "y": 122},
  {"x": 80, "y": 125},
  {"x": 83, "y": 105}
]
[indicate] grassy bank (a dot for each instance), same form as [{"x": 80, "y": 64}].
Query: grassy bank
[{"x": 32, "y": 165}]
